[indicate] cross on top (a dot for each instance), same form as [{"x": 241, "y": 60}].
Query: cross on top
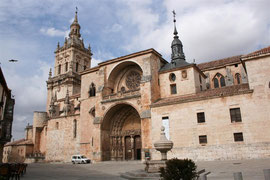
[
  {"x": 76, "y": 9},
  {"x": 174, "y": 15}
]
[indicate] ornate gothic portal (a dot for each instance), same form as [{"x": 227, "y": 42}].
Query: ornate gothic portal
[{"x": 121, "y": 134}]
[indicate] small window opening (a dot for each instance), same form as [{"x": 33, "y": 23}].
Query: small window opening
[
  {"x": 92, "y": 90},
  {"x": 200, "y": 117},
  {"x": 235, "y": 115},
  {"x": 173, "y": 89},
  {"x": 203, "y": 139},
  {"x": 75, "y": 128},
  {"x": 238, "y": 137}
]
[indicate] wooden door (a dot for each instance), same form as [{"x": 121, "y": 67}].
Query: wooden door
[
  {"x": 128, "y": 150},
  {"x": 138, "y": 147}
]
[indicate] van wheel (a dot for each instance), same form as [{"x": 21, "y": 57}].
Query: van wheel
[{"x": 73, "y": 162}]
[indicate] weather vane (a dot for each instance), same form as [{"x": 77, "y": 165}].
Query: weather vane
[{"x": 76, "y": 9}]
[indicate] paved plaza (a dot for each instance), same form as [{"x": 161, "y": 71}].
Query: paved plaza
[{"x": 220, "y": 170}]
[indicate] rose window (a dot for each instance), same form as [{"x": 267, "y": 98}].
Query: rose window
[{"x": 133, "y": 80}]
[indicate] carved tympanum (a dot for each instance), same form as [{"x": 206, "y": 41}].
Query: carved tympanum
[{"x": 133, "y": 80}]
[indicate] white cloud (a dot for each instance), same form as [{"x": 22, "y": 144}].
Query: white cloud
[
  {"x": 208, "y": 29},
  {"x": 54, "y": 32},
  {"x": 114, "y": 28},
  {"x": 30, "y": 95},
  {"x": 95, "y": 62}
]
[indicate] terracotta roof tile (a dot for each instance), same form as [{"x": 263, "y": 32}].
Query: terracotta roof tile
[
  {"x": 208, "y": 94},
  {"x": 259, "y": 52},
  {"x": 220, "y": 62}
]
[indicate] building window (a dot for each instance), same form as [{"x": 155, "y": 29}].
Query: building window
[
  {"x": 200, "y": 117},
  {"x": 238, "y": 78},
  {"x": 165, "y": 123},
  {"x": 66, "y": 66},
  {"x": 75, "y": 128},
  {"x": 235, "y": 115},
  {"x": 203, "y": 139},
  {"x": 216, "y": 84},
  {"x": 84, "y": 67},
  {"x": 59, "y": 69},
  {"x": 77, "y": 66},
  {"x": 238, "y": 137},
  {"x": 172, "y": 77},
  {"x": 200, "y": 78},
  {"x": 92, "y": 90},
  {"x": 57, "y": 125},
  {"x": 173, "y": 89},
  {"x": 219, "y": 80}
]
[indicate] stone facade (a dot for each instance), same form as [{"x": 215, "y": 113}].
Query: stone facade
[{"x": 114, "y": 111}]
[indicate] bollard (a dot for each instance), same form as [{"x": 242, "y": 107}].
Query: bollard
[
  {"x": 266, "y": 173},
  {"x": 237, "y": 176}
]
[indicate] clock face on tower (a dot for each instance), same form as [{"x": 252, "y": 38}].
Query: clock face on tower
[{"x": 133, "y": 80}]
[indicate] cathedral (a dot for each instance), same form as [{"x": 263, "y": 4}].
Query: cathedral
[{"x": 218, "y": 110}]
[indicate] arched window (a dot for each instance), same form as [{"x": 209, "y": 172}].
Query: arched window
[
  {"x": 66, "y": 66},
  {"x": 92, "y": 90},
  {"x": 222, "y": 81},
  {"x": 219, "y": 81},
  {"x": 59, "y": 69},
  {"x": 77, "y": 66},
  {"x": 216, "y": 84},
  {"x": 74, "y": 128},
  {"x": 238, "y": 78}
]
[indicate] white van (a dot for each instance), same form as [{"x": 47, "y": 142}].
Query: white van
[{"x": 79, "y": 159}]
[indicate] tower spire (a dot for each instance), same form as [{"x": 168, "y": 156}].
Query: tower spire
[
  {"x": 177, "y": 46},
  {"x": 75, "y": 27}
]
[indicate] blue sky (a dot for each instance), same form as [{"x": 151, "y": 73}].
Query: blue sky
[{"x": 30, "y": 30}]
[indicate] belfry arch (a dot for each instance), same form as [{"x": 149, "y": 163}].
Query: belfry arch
[{"x": 121, "y": 134}]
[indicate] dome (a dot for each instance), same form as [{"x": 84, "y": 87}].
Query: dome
[{"x": 176, "y": 41}]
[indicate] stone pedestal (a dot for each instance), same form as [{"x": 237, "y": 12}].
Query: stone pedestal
[{"x": 154, "y": 166}]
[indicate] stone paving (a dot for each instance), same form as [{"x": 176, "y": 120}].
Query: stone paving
[{"x": 220, "y": 170}]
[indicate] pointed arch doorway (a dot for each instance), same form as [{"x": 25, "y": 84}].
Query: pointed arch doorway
[{"x": 121, "y": 134}]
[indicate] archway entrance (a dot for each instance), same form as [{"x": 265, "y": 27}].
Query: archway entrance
[{"x": 121, "y": 134}]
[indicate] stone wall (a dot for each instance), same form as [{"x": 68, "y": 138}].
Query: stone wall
[
  {"x": 61, "y": 143},
  {"x": 185, "y": 130}
]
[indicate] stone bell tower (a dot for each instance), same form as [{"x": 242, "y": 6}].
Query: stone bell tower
[{"x": 70, "y": 59}]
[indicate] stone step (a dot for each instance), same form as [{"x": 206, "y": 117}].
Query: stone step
[{"x": 140, "y": 174}]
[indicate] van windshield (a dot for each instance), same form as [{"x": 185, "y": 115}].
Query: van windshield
[{"x": 83, "y": 157}]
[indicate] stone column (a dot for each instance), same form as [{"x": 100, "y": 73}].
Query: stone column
[{"x": 112, "y": 148}]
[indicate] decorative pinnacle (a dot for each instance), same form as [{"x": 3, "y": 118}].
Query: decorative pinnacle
[
  {"x": 50, "y": 73},
  {"x": 174, "y": 21},
  {"x": 67, "y": 98}
]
